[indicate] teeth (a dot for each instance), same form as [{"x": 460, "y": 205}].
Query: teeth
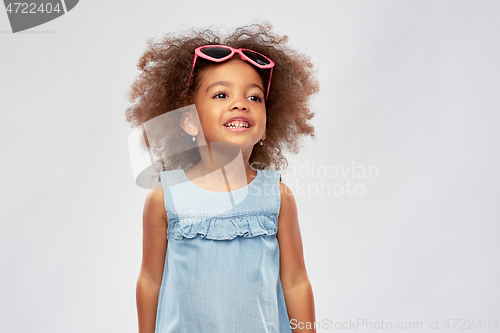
[{"x": 237, "y": 124}]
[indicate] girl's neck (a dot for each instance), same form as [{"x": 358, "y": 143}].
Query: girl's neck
[{"x": 221, "y": 169}]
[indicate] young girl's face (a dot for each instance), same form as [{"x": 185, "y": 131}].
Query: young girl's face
[{"x": 227, "y": 90}]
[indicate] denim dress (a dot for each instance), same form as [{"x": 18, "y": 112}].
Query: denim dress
[{"x": 221, "y": 270}]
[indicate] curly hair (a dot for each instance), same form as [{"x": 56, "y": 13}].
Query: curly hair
[{"x": 166, "y": 65}]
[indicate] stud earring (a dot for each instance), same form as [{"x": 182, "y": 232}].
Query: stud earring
[{"x": 261, "y": 142}]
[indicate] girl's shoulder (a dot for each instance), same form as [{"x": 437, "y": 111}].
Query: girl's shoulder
[{"x": 154, "y": 205}]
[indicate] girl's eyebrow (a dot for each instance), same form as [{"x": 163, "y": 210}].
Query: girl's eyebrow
[{"x": 229, "y": 84}]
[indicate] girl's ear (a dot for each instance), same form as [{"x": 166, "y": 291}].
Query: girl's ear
[{"x": 188, "y": 124}]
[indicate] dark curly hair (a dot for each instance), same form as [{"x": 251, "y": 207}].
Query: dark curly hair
[{"x": 162, "y": 87}]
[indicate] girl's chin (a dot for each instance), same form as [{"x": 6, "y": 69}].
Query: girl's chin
[{"x": 236, "y": 141}]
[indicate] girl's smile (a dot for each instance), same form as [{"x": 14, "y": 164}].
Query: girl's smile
[{"x": 238, "y": 124}]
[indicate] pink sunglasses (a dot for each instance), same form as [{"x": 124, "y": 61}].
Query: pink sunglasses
[{"x": 220, "y": 53}]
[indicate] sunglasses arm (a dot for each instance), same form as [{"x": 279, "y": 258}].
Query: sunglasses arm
[
  {"x": 269, "y": 84},
  {"x": 192, "y": 69}
]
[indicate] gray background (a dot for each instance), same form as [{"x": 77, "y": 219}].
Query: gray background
[{"x": 408, "y": 87}]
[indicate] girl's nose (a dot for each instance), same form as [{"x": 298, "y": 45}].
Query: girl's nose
[{"x": 239, "y": 103}]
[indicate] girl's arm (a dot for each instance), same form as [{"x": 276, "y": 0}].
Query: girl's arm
[
  {"x": 294, "y": 280},
  {"x": 153, "y": 260}
]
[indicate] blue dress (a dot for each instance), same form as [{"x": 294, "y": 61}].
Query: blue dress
[{"x": 221, "y": 270}]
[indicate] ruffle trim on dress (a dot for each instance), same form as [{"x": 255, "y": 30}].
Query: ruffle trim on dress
[{"x": 224, "y": 228}]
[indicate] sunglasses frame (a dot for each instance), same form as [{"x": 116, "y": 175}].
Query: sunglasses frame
[{"x": 198, "y": 53}]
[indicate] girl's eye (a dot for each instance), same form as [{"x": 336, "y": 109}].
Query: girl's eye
[
  {"x": 220, "y": 94},
  {"x": 256, "y": 98}
]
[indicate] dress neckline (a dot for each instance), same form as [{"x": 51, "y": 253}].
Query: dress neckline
[{"x": 183, "y": 172}]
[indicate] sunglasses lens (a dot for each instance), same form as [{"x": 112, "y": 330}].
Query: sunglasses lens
[
  {"x": 256, "y": 57},
  {"x": 216, "y": 52}
]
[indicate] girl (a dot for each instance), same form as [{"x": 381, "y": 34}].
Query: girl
[{"x": 222, "y": 249}]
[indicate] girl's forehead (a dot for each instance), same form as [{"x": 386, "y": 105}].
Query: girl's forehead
[{"x": 232, "y": 70}]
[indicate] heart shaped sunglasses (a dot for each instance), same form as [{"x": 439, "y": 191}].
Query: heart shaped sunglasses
[{"x": 220, "y": 53}]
